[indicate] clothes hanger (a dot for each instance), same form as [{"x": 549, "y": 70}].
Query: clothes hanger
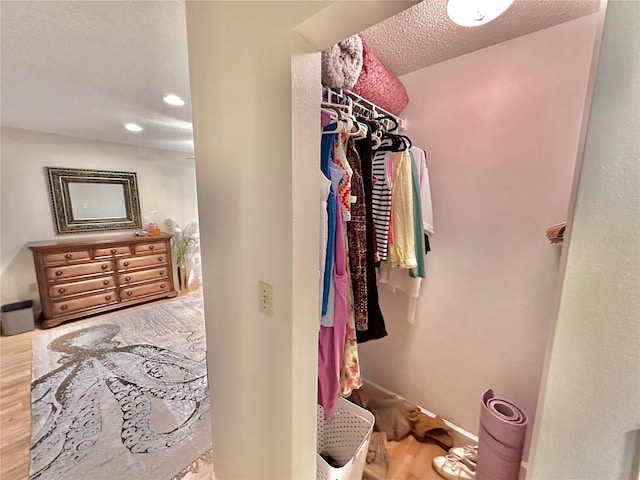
[
  {"x": 407, "y": 141},
  {"x": 398, "y": 143},
  {"x": 338, "y": 107},
  {"x": 376, "y": 131},
  {"x": 338, "y": 129},
  {"x": 332, "y": 113},
  {"x": 360, "y": 130},
  {"x": 335, "y": 117},
  {"x": 394, "y": 122},
  {"x": 343, "y": 112},
  {"x": 395, "y": 143},
  {"x": 376, "y": 141}
]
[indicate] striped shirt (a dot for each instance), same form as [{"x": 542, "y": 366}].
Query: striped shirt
[{"x": 381, "y": 201}]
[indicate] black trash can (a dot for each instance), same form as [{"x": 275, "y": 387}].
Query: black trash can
[{"x": 17, "y": 317}]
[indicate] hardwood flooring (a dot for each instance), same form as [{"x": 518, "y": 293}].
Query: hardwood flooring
[
  {"x": 15, "y": 405},
  {"x": 409, "y": 459}
]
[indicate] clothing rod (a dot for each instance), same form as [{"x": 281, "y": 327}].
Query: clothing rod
[{"x": 362, "y": 103}]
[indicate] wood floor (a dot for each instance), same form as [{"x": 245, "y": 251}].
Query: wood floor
[
  {"x": 15, "y": 405},
  {"x": 409, "y": 459}
]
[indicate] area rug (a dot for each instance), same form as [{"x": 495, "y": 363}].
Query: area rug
[{"x": 124, "y": 396}]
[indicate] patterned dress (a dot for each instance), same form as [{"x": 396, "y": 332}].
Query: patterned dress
[{"x": 357, "y": 237}]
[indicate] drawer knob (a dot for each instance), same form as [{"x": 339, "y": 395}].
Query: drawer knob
[
  {"x": 63, "y": 307},
  {"x": 105, "y": 282},
  {"x": 162, "y": 285},
  {"x": 127, "y": 278},
  {"x": 107, "y": 298},
  {"x": 62, "y": 290},
  {"x": 126, "y": 264},
  {"x": 58, "y": 273},
  {"x": 159, "y": 259},
  {"x": 161, "y": 272},
  {"x": 151, "y": 247},
  {"x": 129, "y": 294},
  {"x": 113, "y": 250},
  {"x": 104, "y": 267},
  {"x": 68, "y": 256}
]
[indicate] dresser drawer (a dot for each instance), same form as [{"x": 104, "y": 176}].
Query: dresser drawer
[
  {"x": 135, "y": 277},
  {"x": 77, "y": 278},
  {"x": 150, "y": 247},
  {"x": 68, "y": 306},
  {"x": 110, "y": 251},
  {"x": 67, "y": 271},
  {"x": 130, "y": 293},
  {"x": 64, "y": 289},
  {"x": 145, "y": 261},
  {"x": 70, "y": 256}
]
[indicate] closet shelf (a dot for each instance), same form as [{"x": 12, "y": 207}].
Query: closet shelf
[
  {"x": 555, "y": 233},
  {"x": 368, "y": 106}
]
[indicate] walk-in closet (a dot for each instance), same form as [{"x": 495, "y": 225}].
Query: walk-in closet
[
  {"x": 500, "y": 127},
  {"x": 504, "y": 129}
]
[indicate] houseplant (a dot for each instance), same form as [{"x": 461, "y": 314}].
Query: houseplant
[{"x": 183, "y": 243}]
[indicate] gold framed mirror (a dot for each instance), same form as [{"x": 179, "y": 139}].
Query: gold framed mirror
[{"x": 93, "y": 200}]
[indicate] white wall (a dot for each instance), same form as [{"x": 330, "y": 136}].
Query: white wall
[
  {"x": 255, "y": 90},
  {"x": 501, "y": 129},
  {"x": 166, "y": 185},
  {"x": 589, "y": 420},
  {"x": 243, "y": 142}
]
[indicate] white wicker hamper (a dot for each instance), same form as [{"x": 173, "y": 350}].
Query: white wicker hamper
[{"x": 346, "y": 439}]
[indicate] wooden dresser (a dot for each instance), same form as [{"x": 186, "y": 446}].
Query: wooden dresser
[{"x": 83, "y": 277}]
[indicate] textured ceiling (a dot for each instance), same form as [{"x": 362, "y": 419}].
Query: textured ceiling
[
  {"x": 83, "y": 68},
  {"x": 423, "y": 34}
]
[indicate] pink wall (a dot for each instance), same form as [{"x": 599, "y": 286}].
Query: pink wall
[{"x": 501, "y": 130}]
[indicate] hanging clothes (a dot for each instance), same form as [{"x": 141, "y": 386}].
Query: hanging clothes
[
  {"x": 381, "y": 201},
  {"x": 344, "y": 189},
  {"x": 328, "y": 140},
  {"x": 375, "y": 321},
  {"x": 402, "y": 253},
  {"x": 350, "y": 378},
  {"x": 338, "y": 365},
  {"x": 337, "y": 177},
  {"x": 381, "y": 214},
  {"x": 357, "y": 239},
  {"x": 331, "y": 340},
  {"x": 420, "y": 158},
  {"x": 325, "y": 187},
  {"x": 396, "y": 279},
  {"x": 419, "y": 270}
]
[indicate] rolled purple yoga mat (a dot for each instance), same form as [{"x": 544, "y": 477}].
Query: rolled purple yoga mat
[{"x": 503, "y": 427}]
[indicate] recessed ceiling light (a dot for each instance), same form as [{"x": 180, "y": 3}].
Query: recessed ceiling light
[
  {"x": 173, "y": 100},
  {"x": 132, "y": 127},
  {"x": 471, "y": 13}
]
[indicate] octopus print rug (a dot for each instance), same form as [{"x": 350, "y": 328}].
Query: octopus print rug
[{"x": 124, "y": 396}]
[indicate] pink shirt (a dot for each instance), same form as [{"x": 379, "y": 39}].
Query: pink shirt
[{"x": 331, "y": 340}]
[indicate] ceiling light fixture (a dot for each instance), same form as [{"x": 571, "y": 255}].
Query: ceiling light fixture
[
  {"x": 173, "y": 100},
  {"x": 132, "y": 127},
  {"x": 471, "y": 13}
]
